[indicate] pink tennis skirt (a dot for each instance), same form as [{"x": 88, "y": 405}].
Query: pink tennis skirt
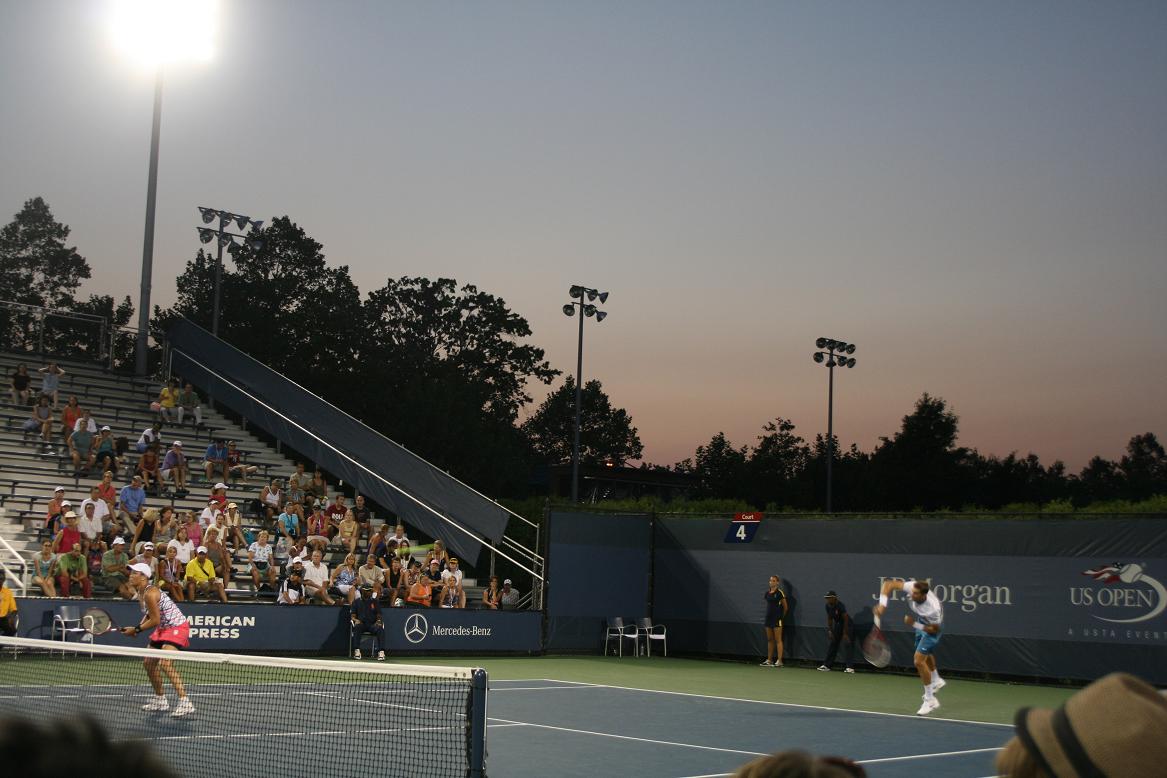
[{"x": 178, "y": 636}]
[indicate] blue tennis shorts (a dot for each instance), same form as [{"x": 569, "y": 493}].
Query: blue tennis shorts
[{"x": 925, "y": 643}]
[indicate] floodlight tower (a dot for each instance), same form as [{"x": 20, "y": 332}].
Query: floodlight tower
[
  {"x": 837, "y": 354},
  {"x": 587, "y": 309},
  {"x": 226, "y": 239}
]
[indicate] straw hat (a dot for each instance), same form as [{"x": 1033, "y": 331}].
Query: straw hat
[{"x": 1115, "y": 726}]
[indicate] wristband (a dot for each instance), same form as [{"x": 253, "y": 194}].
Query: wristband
[{"x": 883, "y": 600}]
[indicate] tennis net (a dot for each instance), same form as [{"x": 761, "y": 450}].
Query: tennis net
[{"x": 258, "y": 716}]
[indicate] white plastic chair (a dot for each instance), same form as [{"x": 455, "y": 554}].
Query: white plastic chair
[
  {"x": 650, "y": 632},
  {"x": 617, "y": 629}
]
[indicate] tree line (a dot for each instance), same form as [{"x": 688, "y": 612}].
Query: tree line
[{"x": 445, "y": 369}]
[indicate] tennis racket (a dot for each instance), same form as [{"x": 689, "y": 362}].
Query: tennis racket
[
  {"x": 875, "y": 647},
  {"x": 97, "y": 622}
]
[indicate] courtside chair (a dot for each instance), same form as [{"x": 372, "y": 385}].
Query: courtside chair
[
  {"x": 651, "y": 632},
  {"x": 617, "y": 629},
  {"x": 66, "y": 621}
]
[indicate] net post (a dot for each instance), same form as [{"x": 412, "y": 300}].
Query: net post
[{"x": 478, "y": 724}]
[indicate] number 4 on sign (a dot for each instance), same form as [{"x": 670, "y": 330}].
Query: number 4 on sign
[{"x": 743, "y": 528}]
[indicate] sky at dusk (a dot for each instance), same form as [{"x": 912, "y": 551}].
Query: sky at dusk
[{"x": 975, "y": 193}]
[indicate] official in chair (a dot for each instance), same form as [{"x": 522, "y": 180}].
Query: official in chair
[{"x": 366, "y": 617}]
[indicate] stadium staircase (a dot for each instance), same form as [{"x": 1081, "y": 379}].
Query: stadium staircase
[{"x": 29, "y": 474}]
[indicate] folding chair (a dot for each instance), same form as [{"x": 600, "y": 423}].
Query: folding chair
[
  {"x": 67, "y": 620},
  {"x": 617, "y": 629},
  {"x": 651, "y": 632}
]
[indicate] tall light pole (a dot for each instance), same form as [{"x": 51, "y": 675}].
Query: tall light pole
[
  {"x": 226, "y": 239},
  {"x": 157, "y": 33},
  {"x": 836, "y": 355},
  {"x": 585, "y": 310}
]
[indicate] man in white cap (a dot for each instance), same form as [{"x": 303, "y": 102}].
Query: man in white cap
[
  {"x": 114, "y": 569},
  {"x": 174, "y": 468},
  {"x": 171, "y": 632},
  {"x": 148, "y": 558},
  {"x": 509, "y": 597},
  {"x": 200, "y": 576}
]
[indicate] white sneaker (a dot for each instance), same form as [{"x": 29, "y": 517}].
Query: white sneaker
[
  {"x": 938, "y": 685},
  {"x": 778, "y": 664},
  {"x": 356, "y": 653},
  {"x": 767, "y": 663},
  {"x": 849, "y": 670},
  {"x": 157, "y": 703},
  {"x": 183, "y": 708},
  {"x": 380, "y": 656},
  {"x": 928, "y": 707},
  {"x": 824, "y": 668}
]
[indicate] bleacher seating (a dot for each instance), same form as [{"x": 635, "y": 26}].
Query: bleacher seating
[{"x": 28, "y": 475}]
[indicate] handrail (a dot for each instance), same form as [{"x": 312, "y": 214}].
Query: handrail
[
  {"x": 18, "y": 579},
  {"x": 342, "y": 454}
]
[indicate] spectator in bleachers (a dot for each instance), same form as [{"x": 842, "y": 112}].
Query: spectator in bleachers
[
  {"x": 400, "y": 539},
  {"x": 148, "y": 558},
  {"x": 167, "y": 527},
  {"x": 44, "y": 569},
  {"x": 292, "y": 589},
  {"x": 219, "y": 496},
  {"x": 510, "y": 597},
  {"x": 317, "y": 530},
  {"x": 288, "y": 525},
  {"x": 72, "y": 568},
  {"x": 92, "y": 528},
  {"x": 150, "y": 437},
  {"x": 317, "y": 487},
  {"x": 259, "y": 560},
  {"x": 395, "y": 581},
  {"x": 55, "y": 513},
  {"x": 51, "y": 382},
  {"x": 201, "y": 577},
  {"x": 348, "y": 533},
  {"x": 150, "y": 468},
  {"x": 295, "y": 562},
  {"x": 371, "y": 574},
  {"x": 295, "y": 491},
  {"x": 115, "y": 572},
  {"x": 434, "y": 575},
  {"x": 69, "y": 416},
  {"x": 21, "y": 394},
  {"x": 492, "y": 595},
  {"x": 420, "y": 592},
  {"x": 218, "y": 552},
  {"x": 298, "y": 473},
  {"x": 107, "y": 491},
  {"x": 215, "y": 459},
  {"x": 438, "y": 553},
  {"x": 379, "y": 547},
  {"x": 40, "y": 422},
  {"x": 175, "y": 468},
  {"x": 335, "y": 513},
  {"x": 452, "y": 595},
  {"x": 207, "y": 516},
  {"x": 171, "y": 572},
  {"x": 105, "y": 450},
  {"x": 300, "y": 549},
  {"x": 190, "y": 403},
  {"x": 167, "y": 401},
  {"x": 222, "y": 530},
  {"x": 194, "y": 530},
  {"x": 86, "y": 422},
  {"x": 182, "y": 545},
  {"x": 69, "y": 535},
  {"x": 82, "y": 445},
  {"x": 233, "y": 518},
  {"x": 316, "y": 579},
  {"x": 362, "y": 515},
  {"x": 236, "y": 466},
  {"x": 366, "y": 617},
  {"x": 131, "y": 502},
  {"x": 271, "y": 500},
  {"x": 146, "y": 531},
  {"x": 452, "y": 571},
  {"x": 342, "y": 582}
]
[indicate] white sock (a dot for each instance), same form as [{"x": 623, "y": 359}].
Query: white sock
[
  {"x": 935, "y": 676},
  {"x": 928, "y": 691}
]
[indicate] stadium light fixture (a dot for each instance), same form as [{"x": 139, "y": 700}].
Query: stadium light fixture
[
  {"x": 587, "y": 309},
  {"x": 832, "y": 357},
  {"x": 227, "y": 241}
]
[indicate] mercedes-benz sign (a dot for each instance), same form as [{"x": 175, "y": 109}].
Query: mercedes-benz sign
[{"x": 416, "y": 628}]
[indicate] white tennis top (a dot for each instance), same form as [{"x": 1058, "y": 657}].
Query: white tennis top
[{"x": 930, "y": 611}]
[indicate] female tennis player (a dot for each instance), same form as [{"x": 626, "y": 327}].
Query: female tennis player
[
  {"x": 929, "y": 615},
  {"x": 775, "y": 612},
  {"x": 171, "y": 633}
]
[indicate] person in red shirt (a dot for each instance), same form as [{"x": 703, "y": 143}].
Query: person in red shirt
[
  {"x": 69, "y": 416},
  {"x": 107, "y": 491},
  {"x": 68, "y": 536},
  {"x": 336, "y": 513}
]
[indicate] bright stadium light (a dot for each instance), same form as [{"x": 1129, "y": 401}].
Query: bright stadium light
[
  {"x": 160, "y": 32},
  {"x": 833, "y": 357}
]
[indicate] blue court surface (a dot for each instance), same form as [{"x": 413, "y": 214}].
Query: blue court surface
[{"x": 547, "y": 727}]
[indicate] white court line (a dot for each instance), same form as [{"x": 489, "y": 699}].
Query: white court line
[
  {"x": 374, "y": 702},
  {"x": 252, "y": 735},
  {"x": 496, "y": 690},
  {"x": 790, "y": 704},
  {"x": 928, "y": 756},
  {"x": 627, "y": 737}
]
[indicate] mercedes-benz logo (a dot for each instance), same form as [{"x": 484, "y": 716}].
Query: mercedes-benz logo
[{"x": 416, "y": 628}]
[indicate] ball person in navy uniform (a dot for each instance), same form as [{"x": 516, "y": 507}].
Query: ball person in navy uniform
[{"x": 775, "y": 612}]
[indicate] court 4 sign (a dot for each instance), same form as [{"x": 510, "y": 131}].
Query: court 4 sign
[
  {"x": 743, "y": 527},
  {"x": 1121, "y": 594}
]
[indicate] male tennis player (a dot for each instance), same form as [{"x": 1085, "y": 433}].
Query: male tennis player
[
  {"x": 929, "y": 615},
  {"x": 171, "y": 633}
]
